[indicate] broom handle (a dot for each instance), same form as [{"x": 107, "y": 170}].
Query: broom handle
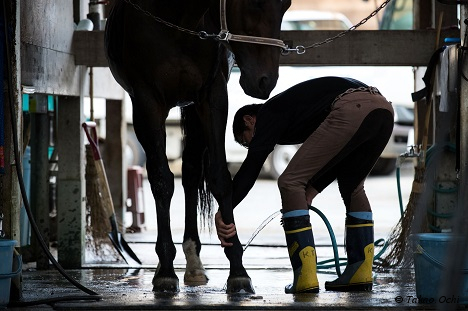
[{"x": 107, "y": 203}]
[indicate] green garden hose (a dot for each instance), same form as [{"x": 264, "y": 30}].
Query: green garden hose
[
  {"x": 341, "y": 261},
  {"x": 325, "y": 264}
]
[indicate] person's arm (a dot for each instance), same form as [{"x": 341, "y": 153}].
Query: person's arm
[
  {"x": 242, "y": 183},
  {"x": 248, "y": 173},
  {"x": 267, "y": 131}
]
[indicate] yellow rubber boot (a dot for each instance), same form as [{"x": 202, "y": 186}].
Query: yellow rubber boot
[
  {"x": 301, "y": 247},
  {"x": 360, "y": 251}
]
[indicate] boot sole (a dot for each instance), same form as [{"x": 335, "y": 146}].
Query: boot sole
[
  {"x": 312, "y": 290},
  {"x": 365, "y": 287}
]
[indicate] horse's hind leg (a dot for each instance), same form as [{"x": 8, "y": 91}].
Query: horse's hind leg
[
  {"x": 149, "y": 127},
  {"x": 192, "y": 180}
]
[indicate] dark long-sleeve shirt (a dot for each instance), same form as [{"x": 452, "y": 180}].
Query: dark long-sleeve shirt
[{"x": 286, "y": 119}]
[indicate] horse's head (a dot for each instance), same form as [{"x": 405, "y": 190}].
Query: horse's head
[{"x": 258, "y": 63}]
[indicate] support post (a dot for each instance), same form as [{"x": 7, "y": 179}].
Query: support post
[
  {"x": 71, "y": 191},
  {"x": 456, "y": 254},
  {"x": 40, "y": 174},
  {"x": 10, "y": 193},
  {"x": 463, "y": 152},
  {"x": 113, "y": 157}
]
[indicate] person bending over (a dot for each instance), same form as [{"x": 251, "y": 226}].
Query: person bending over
[{"x": 343, "y": 126}]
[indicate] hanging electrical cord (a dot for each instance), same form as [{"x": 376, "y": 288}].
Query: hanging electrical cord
[{"x": 91, "y": 294}]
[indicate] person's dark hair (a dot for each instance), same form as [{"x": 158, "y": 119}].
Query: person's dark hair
[{"x": 238, "y": 124}]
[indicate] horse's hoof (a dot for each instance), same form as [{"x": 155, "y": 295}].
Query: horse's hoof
[
  {"x": 194, "y": 278},
  {"x": 165, "y": 285},
  {"x": 239, "y": 285}
]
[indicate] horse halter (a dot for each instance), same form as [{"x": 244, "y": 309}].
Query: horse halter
[{"x": 226, "y": 36}]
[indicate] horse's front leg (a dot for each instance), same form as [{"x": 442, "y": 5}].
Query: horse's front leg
[
  {"x": 238, "y": 280},
  {"x": 150, "y": 130},
  {"x": 220, "y": 184},
  {"x": 194, "y": 185}
]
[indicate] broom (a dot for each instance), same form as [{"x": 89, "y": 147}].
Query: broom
[
  {"x": 97, "y": 240},
  {"x": 399, "y": 236},
  {"x": 96, "y": 229}
]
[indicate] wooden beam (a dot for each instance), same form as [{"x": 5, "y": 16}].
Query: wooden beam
[
  {"x": 357, "y": 48},
  {"x": 364, "y": 47}
]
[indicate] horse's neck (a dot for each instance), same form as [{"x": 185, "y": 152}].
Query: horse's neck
[{"x": 187, "y": 13}]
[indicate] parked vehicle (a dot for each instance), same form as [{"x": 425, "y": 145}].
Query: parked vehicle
[
  {"x": 394, "y": 83},
  {"x": 398, "y": 15},
  {"x": 315, "y": 20}
]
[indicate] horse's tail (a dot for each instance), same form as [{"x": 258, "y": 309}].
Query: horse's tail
[{"x": 205, "y": 197}]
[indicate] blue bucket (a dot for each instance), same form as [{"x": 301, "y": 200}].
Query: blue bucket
[
  {"x": 6, "y": 273},
  {"x": 430, "y": 252}
]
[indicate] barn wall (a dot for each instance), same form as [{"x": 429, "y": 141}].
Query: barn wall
[
  {"x": 47, "y": 61},
  {"x": 47, "y": 55}
]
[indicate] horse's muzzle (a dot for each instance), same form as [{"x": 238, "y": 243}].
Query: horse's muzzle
[{"x": 260, "y": 87}]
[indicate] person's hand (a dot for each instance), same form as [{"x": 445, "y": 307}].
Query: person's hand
[{"x": 224, "y": 231}]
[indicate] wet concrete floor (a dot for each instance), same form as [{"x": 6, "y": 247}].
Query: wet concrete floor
[
  {"x": 129, "y": 288},
  {"x": 123, "y": 288}
]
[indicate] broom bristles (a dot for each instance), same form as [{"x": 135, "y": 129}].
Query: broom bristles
[{"x": 97, "y": 239}]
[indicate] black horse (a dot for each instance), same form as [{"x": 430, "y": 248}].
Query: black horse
[{"x": 164, "y": 54}]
